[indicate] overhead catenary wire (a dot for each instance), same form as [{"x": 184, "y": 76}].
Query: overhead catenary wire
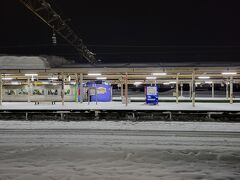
[{"x": 43, "y": 10}]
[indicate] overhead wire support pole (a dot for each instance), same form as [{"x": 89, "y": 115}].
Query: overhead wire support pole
[
  {"x": 212, "y": 89},
  {"x": 126, "y": 88},
  {"x": 1, "y": 85},
  {"x": 193, "y": 89},
  {"x": 231, "y": 89},
  {"x": 62, "y": 88},
  {"x": 181, "y": 86},
  {"x": 227, "y": 92},
  {"x": 177, "y": 92},
  {"x": 43, "y": 10},
  {"x": 81, "y": 88}
]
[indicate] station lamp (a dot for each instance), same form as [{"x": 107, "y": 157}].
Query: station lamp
[
  {"x": 101, "y": 78},
  {"x": 229, "y": 73},
  {"x": 159, "y": 74},
  {"x": 15, "y": 83},
  {"x": 137, "y": 83},
  {"x": 203, "y": 77},
  {"x": 7, "y": 79},
  {"x": 31, "y": 74},
  {"x": 208, "y": 82},
  {"x": 53, "y": 78},
  {"x": 170, "y": 82},
  {"x": 151, "y": 77},
  {"x": 94, "y": 74}
]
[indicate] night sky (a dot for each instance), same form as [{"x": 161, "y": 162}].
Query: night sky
[{"x": 176, "y": 31}]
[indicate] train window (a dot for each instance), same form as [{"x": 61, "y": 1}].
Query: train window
[
  {"x": 67, "y": 91},
  {"x": 10, "y": 92},
  {"x": 38, "y": 92},
  {"x": 22, "y": 91},
  {"x": 52, "y": 92}
]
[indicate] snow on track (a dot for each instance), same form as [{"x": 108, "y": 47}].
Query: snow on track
[
  {"x": 123, "y": 125},
  {"x": 92, "y": 150}
]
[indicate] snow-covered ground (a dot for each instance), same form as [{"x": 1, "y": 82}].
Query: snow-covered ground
[
  {"x": 119, "y": 106},
  {"x": 124, "y": 125},
  {"x": 119, "y": 150}
]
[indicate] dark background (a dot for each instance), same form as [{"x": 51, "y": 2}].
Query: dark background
[{"x": 167, "y": 31}]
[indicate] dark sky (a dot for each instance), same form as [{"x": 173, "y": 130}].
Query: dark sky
[{"x": 176, "y": 31}]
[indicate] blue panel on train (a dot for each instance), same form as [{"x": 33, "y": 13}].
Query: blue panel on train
[
  {"x": 152, "y": 95},
  {"x": 104, "y": 93}
]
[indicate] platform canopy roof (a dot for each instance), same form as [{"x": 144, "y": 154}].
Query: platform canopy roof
[
  {"x": 47, "y": 67},
  {"x": 155, "y": 65}
]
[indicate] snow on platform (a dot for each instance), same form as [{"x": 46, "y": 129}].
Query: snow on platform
[{"x": 162, "y": 106}]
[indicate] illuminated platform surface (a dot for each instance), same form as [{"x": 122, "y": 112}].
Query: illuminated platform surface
[
  {"x": 162, "y": 106},
  {"x": 180, "y": 98}
]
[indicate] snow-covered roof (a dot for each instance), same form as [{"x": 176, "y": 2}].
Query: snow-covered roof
[
  {"x": 150, "y": 65},
  {"x": 23, "y": 62}
]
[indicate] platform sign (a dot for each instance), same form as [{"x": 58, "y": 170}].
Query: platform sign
[{"x": 152, "y": 95}]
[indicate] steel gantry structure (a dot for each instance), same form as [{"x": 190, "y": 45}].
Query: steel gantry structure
[{"x": 43, "y": 10}]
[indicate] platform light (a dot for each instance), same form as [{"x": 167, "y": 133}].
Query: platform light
[
  {"x": 94, "y": 74},
  {"x": 15, "y": 83},
  {"x": 203, "y": 77},
  {"x": 137, "y": 83},
  {"x": 53, "y": 78},
  {"x": 151, "y": 77},
  {"x": 41, "y": 82},
  {"x": 197, "y": 83},
  {"x": 45, "y": 82},
  {"x": 229, "y": 73},
  {"x": 31, "y": 74},
  {"x": 170, "y": 82},
  {"x": 208, "y": 82},
  {"x": 101, "y": 78},
  {"x": 7, "y": 79},
  {"x": 159, "y": 74}
]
